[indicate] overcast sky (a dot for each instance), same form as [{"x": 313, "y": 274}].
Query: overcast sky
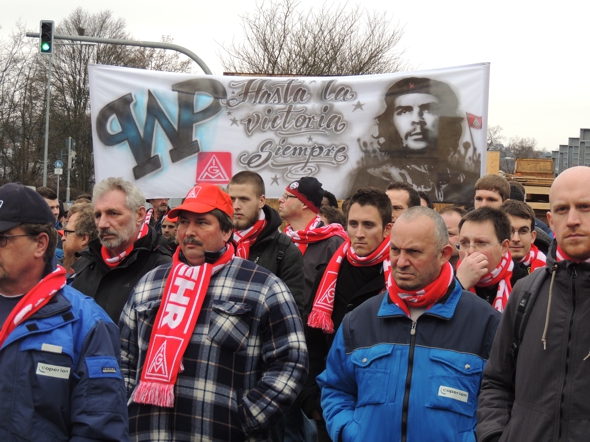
[{"x": 540, "y": 68}]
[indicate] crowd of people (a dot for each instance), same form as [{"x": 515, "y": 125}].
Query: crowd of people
[{"x": 225, "y": 319}]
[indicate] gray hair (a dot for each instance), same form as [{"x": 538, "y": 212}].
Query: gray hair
[
  {"x": 440, "y": 228},
  {"x": 134, "y": 197}
]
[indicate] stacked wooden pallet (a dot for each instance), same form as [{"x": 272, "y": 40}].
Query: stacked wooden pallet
[{"x": 537, "y": 192}]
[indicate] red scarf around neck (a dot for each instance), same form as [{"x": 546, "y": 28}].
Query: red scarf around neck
[
  {"x": 182, "y": 299},
  {"x": 114, "y": 261},
  {"x": 560, "y": 255},
  {"x": 245, "y": 238},
  {"x": 534, "y": 259},
  {"x": 35, "y": 298},
  {"x": 323, "y": 304},
  {"x": 312, "y": 233},
  {"x": 426, "y": 297},
  {"x": 500, "y": 275}
]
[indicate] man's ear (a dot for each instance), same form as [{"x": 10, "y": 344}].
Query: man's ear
[
  {"x": 41, "y": 245},
  {"x": 85, "y": 241},
  {"x": 505, "y": 245},
  {"x": 140, "y": 216},
  {"x": 261, "y": 201},
  {"x": 387, "y": 230},
  {"x": 446, "y": 252}
]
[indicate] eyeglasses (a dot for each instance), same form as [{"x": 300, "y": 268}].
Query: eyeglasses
[
  {"x": 525, "y": 231},
  {"x": 286, "y": 197},
  {"x": 464, "y": 246},
  {"x": 4, "y": 238},
  {"x": 66, "y": 231}
]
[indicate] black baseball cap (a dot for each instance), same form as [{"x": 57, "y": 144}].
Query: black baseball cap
[{"x": 20, "y": 204}]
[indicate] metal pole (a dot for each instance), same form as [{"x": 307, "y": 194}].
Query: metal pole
[
  {"x": 58, "y": 187},
  {"x": 145, "y": 44},
  {"x": 47, "y": 122},
  {"x": 69, "y": 143}
]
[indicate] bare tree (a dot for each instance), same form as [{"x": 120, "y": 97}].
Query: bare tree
[
  {"x": 523, "y": 147},
  {"x": 495, "y": 137},
  {"x": 70, "y": 103},
  {"x": 280, "y": 39},
  {"x": 162, "y": 60},
  {"x": 21, "y": 106}
]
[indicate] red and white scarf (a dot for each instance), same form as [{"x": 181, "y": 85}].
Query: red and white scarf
[
  {"x": 186, "y": 288},
  {"x": 500, "y": 275},
  {"x": 561, "y": 256},
  {"x": 245, "y": 238},
  {"x": 323, "y": 304},
  {"x": 423, "y": 298},
  {"x": 312, "y": 233},
  {"x": 534, "y": 259},
  {"x": 114, "y": 261},
  {"x": 35, "y": 298}
]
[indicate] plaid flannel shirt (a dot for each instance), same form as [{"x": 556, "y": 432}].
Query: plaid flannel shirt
[{"x": 243, "y": 368}]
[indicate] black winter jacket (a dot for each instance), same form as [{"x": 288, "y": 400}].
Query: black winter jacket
[
  {"x": 545, "y": 396},
  {"x": 264, "y": 252},
  {"x": 110, "y": 288},
  {"x": 353, "y": 287}
]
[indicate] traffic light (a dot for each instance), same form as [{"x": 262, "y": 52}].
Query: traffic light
[{"x": 46, "y": 37}]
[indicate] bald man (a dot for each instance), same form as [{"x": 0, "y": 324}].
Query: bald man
[{"x": 542, "y": 394}]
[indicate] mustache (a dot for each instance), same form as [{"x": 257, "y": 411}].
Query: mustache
[
  {"x": 103, "y": 232},
  {"x": 191, "y": 240}
]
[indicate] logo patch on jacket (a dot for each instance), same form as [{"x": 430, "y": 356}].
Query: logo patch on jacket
[
  {"x": 453, "y": 393},
  {"x": 53, "y": 371},
  {"x": 109, "y": 370}
]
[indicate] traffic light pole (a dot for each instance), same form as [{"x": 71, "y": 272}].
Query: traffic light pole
[
  {"x": 46, "y": 149},
  {"x": 145, "y": 44},
  {"x": 69, "y": 164}
]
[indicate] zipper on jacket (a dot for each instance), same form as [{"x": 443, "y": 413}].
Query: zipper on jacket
[
  {"x": 406, "y": 402},
  {"x": 567, "y": 353}
]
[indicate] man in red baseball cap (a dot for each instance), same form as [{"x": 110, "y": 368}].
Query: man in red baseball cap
[{"x": 212, "y": 344}]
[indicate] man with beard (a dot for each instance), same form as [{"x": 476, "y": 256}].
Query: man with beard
[
  {"x": 536, "y": 383},
  {"x": 257, "y": 236},
  {"x": 79, "y": 230},
  {"x": 418, "y": 141},
  {"x": 125, "y": 250},
  {"x": 157, "y": 212}
]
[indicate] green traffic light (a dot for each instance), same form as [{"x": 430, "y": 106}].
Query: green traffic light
[{"x": 45, "y": 47}]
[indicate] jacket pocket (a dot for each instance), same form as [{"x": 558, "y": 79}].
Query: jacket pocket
[
  {"x": 455, "y": 381},
  {"x": 373, "y": 371},
  {"x": 229, "y": 325}
]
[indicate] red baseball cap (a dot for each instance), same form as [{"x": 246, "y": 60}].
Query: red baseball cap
[{"x": 203, "y": 198}]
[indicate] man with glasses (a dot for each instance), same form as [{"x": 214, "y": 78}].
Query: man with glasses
[
  {"x": 402, "y": 197},
  {"x": 485, "y": 265},
  {"x": 59, "y": 351},
  {"x": 80, "y": 229},
  {"x": 300, "y": 206},
  {"x": 527, "y": 257}
]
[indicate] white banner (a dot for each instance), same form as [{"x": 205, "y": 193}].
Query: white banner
[{"x": 167, "y": 131}]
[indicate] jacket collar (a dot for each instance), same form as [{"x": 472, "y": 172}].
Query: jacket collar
[{"x": 52, "y": 315}]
